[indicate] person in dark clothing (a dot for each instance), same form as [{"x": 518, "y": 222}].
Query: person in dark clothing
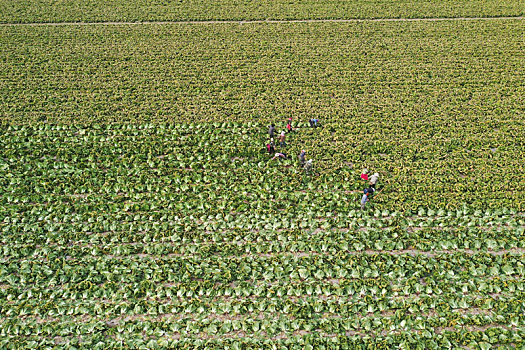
[
  {"x": 302, "y": 158},
  {"x": 271, "y": 130},
  {"x": 314, "y": 122}
]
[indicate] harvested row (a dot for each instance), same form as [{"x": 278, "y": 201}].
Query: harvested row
[{"x": 201, "y": 10}]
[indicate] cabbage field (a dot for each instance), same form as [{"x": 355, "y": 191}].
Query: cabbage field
[
  {"x": 139, "y": 208},
  {"x": 152, "y": 235}
]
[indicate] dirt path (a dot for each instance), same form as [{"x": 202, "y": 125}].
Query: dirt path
[{"x": 261, "y": 21}]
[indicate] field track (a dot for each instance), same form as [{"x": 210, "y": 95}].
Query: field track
[{"x": 264, "y": 21}]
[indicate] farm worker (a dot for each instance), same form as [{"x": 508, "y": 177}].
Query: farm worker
[
  {"x": 364, "y": 199},
  {"x": 373, "y": 180},
  {"x": 289, "y": 126},
  {"x": 271, "y": 130},
  {"x": 282, "y": 138},
  {"x": 308, "y": 166},
  {"x": 270, "y": 147},
  {"x": 313, "y": 122},
  {"x": 279, "y": 155},
  {"x": 302, "y": 156},
  {"x": 364, "y": 174}
]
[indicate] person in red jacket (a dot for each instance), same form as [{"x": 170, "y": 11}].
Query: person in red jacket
[
  {"x": 364, "y": 174},
  {"x": 270, "y": 147}
]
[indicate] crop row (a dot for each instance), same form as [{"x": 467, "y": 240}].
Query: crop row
[
  {"x": 337, "y": 245},
  {"x": 157, "y": 336},
  {"x": 339, "y": 306},
  {"x": 141, "y": 10},
  {"x": 279, "y": 266},
  {"x": 405, "y": 288}
]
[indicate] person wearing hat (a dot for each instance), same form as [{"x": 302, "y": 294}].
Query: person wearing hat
[
  {"x": 373, "y": 180},
  {"x": 282, "y": 138},
  {"x": 364, "y": 174},
  {"x": 302, "y": 156}
]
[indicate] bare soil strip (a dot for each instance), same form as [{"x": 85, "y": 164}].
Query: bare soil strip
[{"x": 261, "y": 21}]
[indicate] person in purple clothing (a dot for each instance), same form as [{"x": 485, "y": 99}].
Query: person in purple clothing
[{"x": 313, "y": 122}]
